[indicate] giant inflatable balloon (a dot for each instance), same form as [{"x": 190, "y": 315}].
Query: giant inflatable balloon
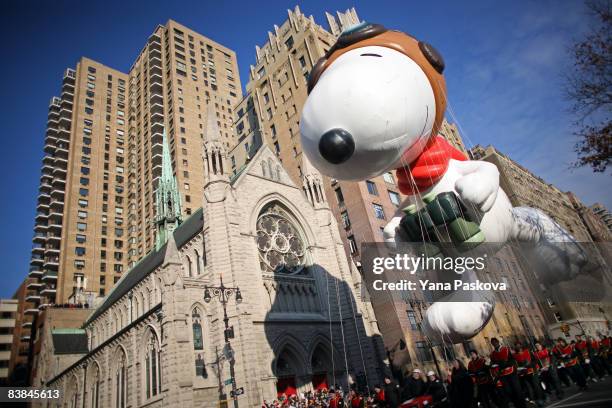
[{"x": 376, "y": 103}]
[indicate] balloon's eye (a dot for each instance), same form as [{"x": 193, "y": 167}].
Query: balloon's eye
[{"x": 433, "y": 56}]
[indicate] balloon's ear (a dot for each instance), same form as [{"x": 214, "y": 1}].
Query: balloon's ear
[
  {"x": 350, "y": 36},
  {"x": 316, "y": 72},
  {"x": 433, "y": 56}
]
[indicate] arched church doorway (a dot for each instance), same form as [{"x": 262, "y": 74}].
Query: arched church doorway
[
  {"x": 322, "y": 367},
  {"x": 289, "y": 369}
]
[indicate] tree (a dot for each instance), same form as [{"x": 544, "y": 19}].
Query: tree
[{"x": 589, "y": 89}]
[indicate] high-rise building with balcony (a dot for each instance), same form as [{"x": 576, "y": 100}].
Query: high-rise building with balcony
[
  {"x": 103, "y": 149},
  {"x": 79, "y": 230},
  {"x": 178, "y": 79}
]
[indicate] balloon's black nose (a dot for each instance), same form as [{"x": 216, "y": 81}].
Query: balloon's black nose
[{"x": 336, "y": 146}]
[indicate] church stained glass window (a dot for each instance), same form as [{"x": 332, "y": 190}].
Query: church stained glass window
[
  {"x": 198, "y": 342},
  {"x": 281, "y": 247}
]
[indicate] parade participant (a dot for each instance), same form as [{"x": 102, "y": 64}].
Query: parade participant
[
  {"x": 568, "y": 356},
  {"x": 436, "y": 389},
  {"x": 528, "y": 376},
  {"x": 391, "y": 392},
  {"x": 336, "y": 400},
  {"x": 582, "y": 347},
  {"x": 356, "y": 400},
  {"x": 379, "y": 399},
  {"x": 597, "y": 362},
  {"x": 548, "y": 370},
  {"x": 461, "y": 387},
  {"x": 605, "y": 344},
  {"x": 503, "y": 368},
  {"x": 414, "y": 386},
  {"x": 481, "y": 376}
]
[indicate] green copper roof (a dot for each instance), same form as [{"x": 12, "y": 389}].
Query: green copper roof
[{"x": 167, "y": 199}]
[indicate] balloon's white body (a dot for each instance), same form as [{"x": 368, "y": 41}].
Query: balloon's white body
[{"x": 386, "y": 103}]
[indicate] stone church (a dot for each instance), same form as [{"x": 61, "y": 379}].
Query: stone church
[{"x": 296, "y": 317}]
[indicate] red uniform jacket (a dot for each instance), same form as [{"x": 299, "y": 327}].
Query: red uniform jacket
[
  {"x": 523, "y": 359},
  {"x": 503, "y": 358},
  {"x": 479, "y": 371},
  {"x": 566, "y": 355},
  {"x": 543, "y": 357}
]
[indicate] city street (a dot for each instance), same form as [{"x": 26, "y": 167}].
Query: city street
[{"x": 599, "y": 395}]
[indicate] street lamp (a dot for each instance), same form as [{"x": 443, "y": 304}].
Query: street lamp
[{"x": 223, "y": 293}]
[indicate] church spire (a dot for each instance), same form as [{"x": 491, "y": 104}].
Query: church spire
[
  {"x": 312, "y": 183},
  {"x": 215, "y": 155},
  {"x": 167, "y": 199}
]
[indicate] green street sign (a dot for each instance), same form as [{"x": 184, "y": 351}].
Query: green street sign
[{"x": 228, "y": 382}]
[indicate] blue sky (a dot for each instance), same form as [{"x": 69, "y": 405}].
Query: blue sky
[{"x": 504, "y": 65}]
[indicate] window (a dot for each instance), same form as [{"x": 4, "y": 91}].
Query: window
[
  {"x": 346, "y": 222},
  {"x": 423, "y": 351},
  {"x": 198, "y": 343},
  {"x": 152, "y": 366},
  {"x": 80, "y": 238},
  {"x": 289, "y": 43},
  {"x": 84, "y": 192},
  {"x": 388, "y": 177},
  {"x": 276, "y": 147},
  {"x": 395, "y": 198},
  {"x": 83, "y": 203},
  {"x": 379, "y": 212},
  {"x": 81, "y": 226},
  {"x": 302, "y": 62},
  {"x": 82, "y": 214},
  {"x": 352, "y": 244},
  {"x": 287, "y": 257},
  {"x": 79, "y": 251},
  {"x": 371, "y": 187},
  {"x": 121, "y": 381},
  {"x": 414, "y": 325},
  {"x": 79, "y": 264},
  {"x": 339, "y": 196}
]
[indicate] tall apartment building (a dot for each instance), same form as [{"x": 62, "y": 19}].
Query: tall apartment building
[
  {"x": 8, "y": 312},
  {"x": 79, "y": 230},
  {"x": 602, "y": 212},
  {"x": 526, "y": 189},
  {"x": 103, "y": 151},
  {"x": 178, "y": 79}
]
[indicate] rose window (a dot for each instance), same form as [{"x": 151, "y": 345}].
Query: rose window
[{"x": 281, "y": 249}]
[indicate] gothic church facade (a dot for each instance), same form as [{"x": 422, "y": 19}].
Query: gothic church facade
[{"x": 299, "y": 323}]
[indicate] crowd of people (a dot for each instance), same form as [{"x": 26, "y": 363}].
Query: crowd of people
[{"x": 519, "y": 374}]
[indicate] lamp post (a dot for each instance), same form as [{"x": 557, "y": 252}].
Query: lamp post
[
  {"x": 418, "y": 304},
  {"x": 223, "y": 293}
]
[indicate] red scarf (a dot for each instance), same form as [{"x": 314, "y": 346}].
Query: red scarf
[{"x": 429, "y": 167}]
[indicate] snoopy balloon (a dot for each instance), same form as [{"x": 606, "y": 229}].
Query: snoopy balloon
[{"x": 376, "y": 102}]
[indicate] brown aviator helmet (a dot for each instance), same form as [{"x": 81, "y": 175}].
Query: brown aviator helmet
[{"x": 366, "y": 34}]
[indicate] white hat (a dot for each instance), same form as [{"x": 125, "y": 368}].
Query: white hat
[
  {"x": 430, "y": 373},
  {"x": 416, "y": 370}
]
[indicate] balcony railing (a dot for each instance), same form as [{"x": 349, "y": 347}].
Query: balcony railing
[{"x": 48, "y": 276}]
